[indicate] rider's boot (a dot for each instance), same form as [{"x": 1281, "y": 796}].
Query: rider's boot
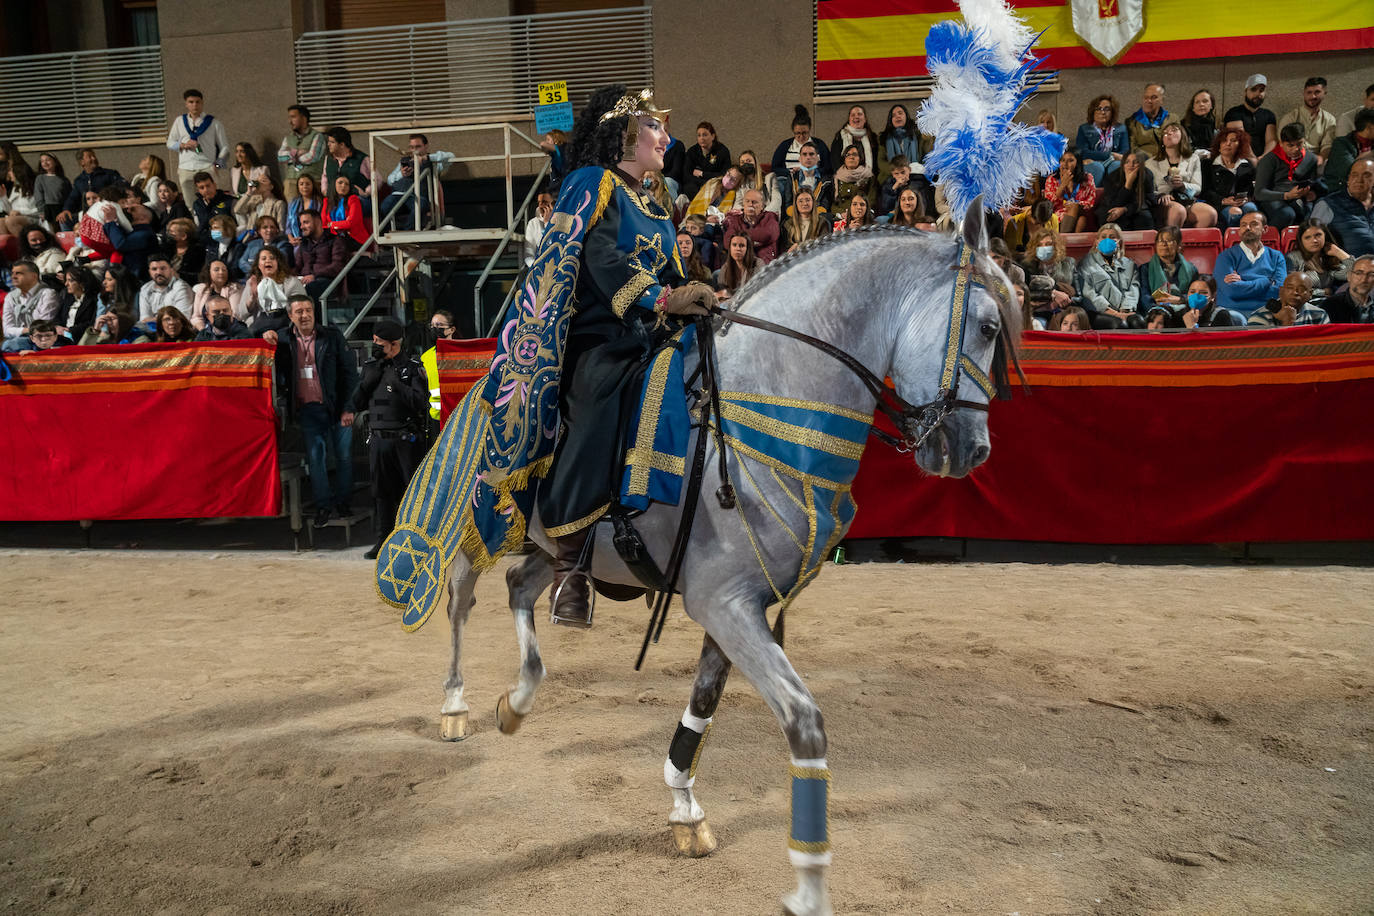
[{"x": 571, "y": 595}]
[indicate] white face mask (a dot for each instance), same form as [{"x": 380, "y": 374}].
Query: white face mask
[{"x": 1044, "y": 252}]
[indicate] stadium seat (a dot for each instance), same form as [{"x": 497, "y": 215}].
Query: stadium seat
[
  {"x": 1078, "y": 244},
  {"x": 1270, "y": 237},
  {"x": 1140, "y": 246},
  {"x": 1287, "y": 239},
  {"x": 67, "y": 240},
  {"x": 9, "y": 248},
  {"x": 1201, "y": 247}
]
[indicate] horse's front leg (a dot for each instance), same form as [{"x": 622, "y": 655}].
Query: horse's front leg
[
  {"x": 691, "y": 833},
  {"x": 741, "y": 632},
  {"x": 526, "y": 581},
  {"x": 453, "y": 717}
]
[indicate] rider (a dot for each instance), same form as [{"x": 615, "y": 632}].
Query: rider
[{"x": 631, "y": 280}]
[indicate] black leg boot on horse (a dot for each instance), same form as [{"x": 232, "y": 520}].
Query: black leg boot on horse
[{"x": 571, "y": 595}]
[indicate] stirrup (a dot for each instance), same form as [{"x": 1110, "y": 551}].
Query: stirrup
[{"x": 577, "y": 622}]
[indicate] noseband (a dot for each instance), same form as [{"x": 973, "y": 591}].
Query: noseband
[{"x": 916, "y": 423}]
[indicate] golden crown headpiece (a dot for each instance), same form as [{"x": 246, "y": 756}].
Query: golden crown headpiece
[{"x": 635, "y": 106}]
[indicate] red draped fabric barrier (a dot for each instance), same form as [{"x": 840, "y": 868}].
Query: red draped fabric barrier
[
  {"x": 139, "y": 431},
  {"x": 462, "y": 364},
  {"x": 1158, "y": 439}
]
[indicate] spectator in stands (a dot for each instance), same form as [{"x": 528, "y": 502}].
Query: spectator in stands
[
  {"x": 266, "y": 233},
  {"x": 1319, "y": 125},
  {"x": 1047, "y": 257},
  {"x": 320, "y": 256},
  {"x": 112, "y": 327},
  {"x": 1355, "y": 303},
  {"x": 43, "y": 335},
  {"x": 754, "y": 221},
  {"x": 316, "y": 375},
  {"x": 1021, "y": 221},
  {"x": 302, "y": 150},
  {"x": 555, "y": 144},
  {"x": 691, "y": 261},
  {"x": 717, "y": 197},
  {"x": 19, "y": 205},
  {"x": 200, "y": 142},
  {"x": 91, "y": 178},
  {"x": 260, "y": 200},
  {"x": 808, "y": 174},
  {"x": 674, "y": 161},
  {"x": 172, "y": 326},
  {"x": 118, "y": 291},
  {"x": 900, "y": 178},
  {"x": 1357, "y": 144},
  {"x": 1177, "y": 174},
  {"x": 169, "y": 206},
  {"x": 1250, "y": 271},
  {"x": 1350, "y": 213},
  {"x": 152, "y": 171},
  {"x": 854, "y": 177},
  {"x": 215, "y": 280},
  {"x": 1070, "y": 320},
  {"x": 700, "y": 231},
  {"x": 911, "y": 211},
  {"x": 165, "y": 288},
  {"x": 1046, "y": 119},
  {"x": 184, "y": 249},
  {"x": 1001, "y": 256},
  {"x": 209, "y": 202},
  {"x": 441, "y": 325},
  {"x": 28, "y": 301},
  {"x": 1291, "y": 308},
  {"x": 655, "y": 187},
  {"x": 343, "y": 159},
  {"x": 1286, "y": 180},
  {"x": 345, "y": 217},
  {"x": 708, "y": 159},
  {"x": 740, "y": 265},
  {"x": 1102, "y": 140},
  {"x": 247, "y": 167},
  {"x": 1165, "y": 278},
  {"x": 421, "y": 157},
  {"x": 1228, "y": 177},
  {"x": 137, "y": 242},
  {"x": 1108, "y": 284},
  {"x": 1145, "y": 125},
  {"x": 1346, "y": 122},
  {"x": 50, "y": 187},
  {"x": 856, "y": 132},
  {"x": 754, "y": 177},
  {"x": 1317, "y": 256},
  {"x": 79, "y": 302},
  {"x": 1202, "y": 309},
  {"x": 308, "y": 197},
  {"x": 787, "y": 157},
  {"x": 805, "y": 221},
  {"x": 535, "y": 225},
  {"x": 37, "y": 244},
  {"x": 1128, "y": 195},
  {"x": 1253, "y": 118},
  {"x": 1072, "y": 192},
  {"x": 899, "y": 139},
  {"x": 1200, "y": 122},
  {"x": 857, "y": 214},
  {"x": 270, "y": 288},
  {"x": 220, "y": 323},
  {"x": 223, "y": 244}
]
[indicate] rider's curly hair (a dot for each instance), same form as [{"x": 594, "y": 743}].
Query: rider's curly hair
[{"x": 594, "y": 141}]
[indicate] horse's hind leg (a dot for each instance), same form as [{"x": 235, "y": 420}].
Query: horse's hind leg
[
  {"x": 526, "y": 581},
  {"x": 453, "y": 718},
  {"x": 691, "y": 833}
]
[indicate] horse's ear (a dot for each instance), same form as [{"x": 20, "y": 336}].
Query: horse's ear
[{"x": 976, "y": 226}]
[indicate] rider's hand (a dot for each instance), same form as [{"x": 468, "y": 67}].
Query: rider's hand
[{"x": 690, "y": 299}]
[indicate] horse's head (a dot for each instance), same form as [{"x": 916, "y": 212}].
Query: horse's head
[{"x": 952, "y": 360}]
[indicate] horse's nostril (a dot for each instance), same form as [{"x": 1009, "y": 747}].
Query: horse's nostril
[{"x": 980, "y": 454}]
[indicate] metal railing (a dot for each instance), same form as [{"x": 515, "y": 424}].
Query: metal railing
[
  {"x": 110, "y": 95},
  {"x": 469, "y": 70},
  {"x": 523, "y": 211}
]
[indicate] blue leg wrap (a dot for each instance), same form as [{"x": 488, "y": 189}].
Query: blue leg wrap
[{"x": 810, "y": 836}]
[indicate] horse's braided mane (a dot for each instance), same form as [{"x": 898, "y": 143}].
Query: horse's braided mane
[{"x": 805, "y": 251}]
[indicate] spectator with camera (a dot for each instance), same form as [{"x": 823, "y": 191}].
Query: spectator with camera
[
  {"x": 1108, "y": 284},
  {"x": 402, "y": 178},
  {"x": 1228, "y": 177},
  {"x": 260, "y": 200},
  {"x": 1286, "y": 183},
  {"x": 1290, "y": 308},
  {"x": 1250, "y": 271},
  {"x": 1349, "y": 213}
]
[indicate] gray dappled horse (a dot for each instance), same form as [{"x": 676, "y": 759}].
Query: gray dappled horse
[{"x": 884, "y": 295}]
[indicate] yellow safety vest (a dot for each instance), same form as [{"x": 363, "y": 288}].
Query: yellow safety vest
[{"x": 430, "y": 360}]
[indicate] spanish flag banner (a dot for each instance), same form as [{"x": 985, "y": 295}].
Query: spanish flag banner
[{"x": 885, "y": 39}]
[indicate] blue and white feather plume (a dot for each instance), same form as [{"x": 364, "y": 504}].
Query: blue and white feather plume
[{"x": 984, "y": 72}]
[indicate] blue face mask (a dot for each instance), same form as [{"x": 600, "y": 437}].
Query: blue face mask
[
  {"x": 1107, "y": 247},
  {"x": 1197, "y": 300},
  {"x": 1044, "y": 252},
  {"x": 216, "y": 234}
]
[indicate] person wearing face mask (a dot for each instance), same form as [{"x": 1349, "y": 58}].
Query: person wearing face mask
[
  {"x": 223, "y": 244},
  {"x": 535, "y": 225},
  {"x": 752, "y": 176},
  {"x": 1108, "y": 284},
  {"x": 1201, "y": 306},
  {"x": 811, "y": 174},
  {"x": 221, "y": 323},
  {"x": 392, "y": 390},
  {"x": 717, "y": 197}
]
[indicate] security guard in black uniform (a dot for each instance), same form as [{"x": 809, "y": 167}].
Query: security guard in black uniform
[{"x": 395, "y": 394}]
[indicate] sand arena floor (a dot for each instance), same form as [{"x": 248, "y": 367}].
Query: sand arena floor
[{"x": 254, "y": 733}]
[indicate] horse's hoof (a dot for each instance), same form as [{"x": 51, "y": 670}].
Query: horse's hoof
[
  {"x": 453, "y": 726},
  {"x": 507, "y": 720},
  {"x": 694, "y": 840}
]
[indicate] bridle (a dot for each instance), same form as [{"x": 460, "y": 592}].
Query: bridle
[{"x": 915, "y": 422}]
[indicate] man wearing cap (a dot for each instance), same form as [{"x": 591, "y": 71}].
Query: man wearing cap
[
  {"x": 393, "y": 393},
  {"x": 1318, "y": 123},
  {"x": 1253, "y": 118}
]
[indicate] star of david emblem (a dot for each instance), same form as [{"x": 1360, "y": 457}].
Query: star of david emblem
[{"x": 649, "y": 253}]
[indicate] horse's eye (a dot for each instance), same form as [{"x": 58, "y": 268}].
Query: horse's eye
[{"x": 988, "y": 329}]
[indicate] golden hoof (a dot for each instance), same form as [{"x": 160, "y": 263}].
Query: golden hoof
[
  {"x": 453, "y": 726},
  {"x": 507, "y": 720},
  {"x": 694, "y": 840}
]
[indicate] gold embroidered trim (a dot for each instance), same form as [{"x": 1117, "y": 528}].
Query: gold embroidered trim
[
  {"x": 629, "y": 294},
  {"x": 149, "y": 361},
  {"x": 603, "y": 197},
  {"x": 658, "y": 461},
  {"x": 574, "y": 527},
  {"x": 649, "y": 415},
  {"x": 956, "y": 316},
  {"x": 982, "y": 381},
  {"x": 641, "y": 203},
  {"x": 790, "y": 432},
  {"x": 797, "y": 772},
  {"x": 701, "y": 743},
  {"x": 813, "y": 848},
  {"x": 796, "y": 402}
]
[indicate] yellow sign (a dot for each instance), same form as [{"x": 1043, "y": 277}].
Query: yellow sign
[{"x": 553, "y": 93}]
